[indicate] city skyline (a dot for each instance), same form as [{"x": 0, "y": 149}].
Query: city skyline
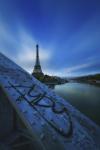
[{"x": 68, "y": 33}]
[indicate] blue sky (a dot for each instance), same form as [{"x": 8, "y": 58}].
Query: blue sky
[{"x": 67, "y": 31}]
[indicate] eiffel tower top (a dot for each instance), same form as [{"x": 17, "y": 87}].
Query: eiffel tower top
[{"x": 37, "y": 68}]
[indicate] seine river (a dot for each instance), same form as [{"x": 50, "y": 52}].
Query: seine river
[{"x": 84, "y": 97}]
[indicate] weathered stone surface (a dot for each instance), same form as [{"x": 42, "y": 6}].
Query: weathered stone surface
[{"x": 53, "y": 122}]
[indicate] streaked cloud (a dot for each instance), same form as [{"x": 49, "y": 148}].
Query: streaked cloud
[
  {"x": 26, "y": 57},
  {"x": 68, "y": 38},
  {"x": 25, "y": 44},
  {"x": 78, "y": 67},
  {"x": 73, "y": 71}
]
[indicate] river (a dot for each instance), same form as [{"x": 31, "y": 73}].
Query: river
[{"x": 84, "y": 97}]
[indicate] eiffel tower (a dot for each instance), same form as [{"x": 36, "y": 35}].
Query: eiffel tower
[{"x": 37, "y": 68}]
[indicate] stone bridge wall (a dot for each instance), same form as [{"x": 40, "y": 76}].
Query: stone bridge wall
[{"x": 9, "y": 121}]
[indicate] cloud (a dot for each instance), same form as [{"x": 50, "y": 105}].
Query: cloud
[
  {"x": 71, "y": 71},
  {"x": 28, "y": 54},
  {"x": 7, "y": 39},
  {"x": 26, "y": 57},
  {"x": 22, "y": 49},
  {"x": 78, "y": 67},
  {"x": 27, "y": 51}
]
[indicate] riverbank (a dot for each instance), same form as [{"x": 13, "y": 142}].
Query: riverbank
[
  {"x": 89, "y": 79},
  {"x": 95, "y": 83}
]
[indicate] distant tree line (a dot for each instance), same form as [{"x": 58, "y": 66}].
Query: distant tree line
[
  {"x": 90, "y": 78},
  {"x": 50, "y": 79}
]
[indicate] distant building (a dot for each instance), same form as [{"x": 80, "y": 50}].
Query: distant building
[{"x": 37, "y": 68}]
